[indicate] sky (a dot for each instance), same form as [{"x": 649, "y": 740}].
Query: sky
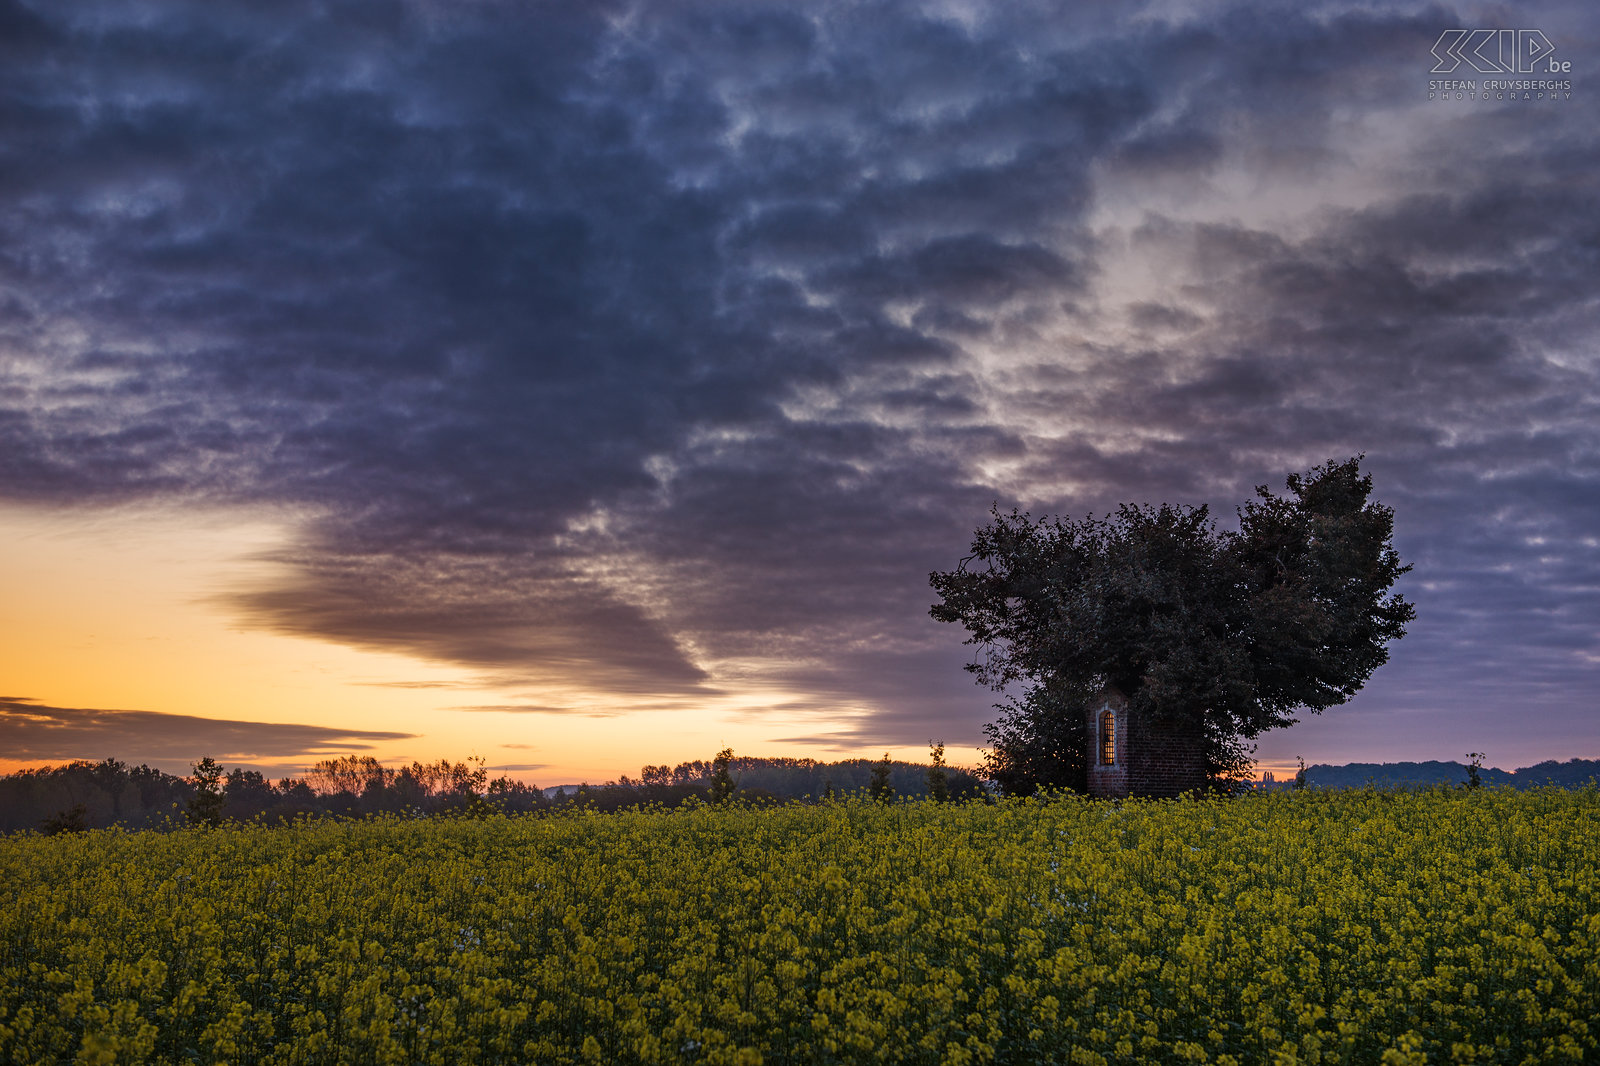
[{"x": 582, "y": 386}]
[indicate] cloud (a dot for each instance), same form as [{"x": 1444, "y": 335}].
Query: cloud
[
  {"x": 524, "y": 708},
  {"x": 837, "y": 742},
  {"x": 526, "y": 622},
  {"x": 659, "y": 349},
  {"x": 34, "y": 733}
]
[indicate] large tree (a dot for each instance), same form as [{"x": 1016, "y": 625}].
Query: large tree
[{"x": 1220, "y": 633}]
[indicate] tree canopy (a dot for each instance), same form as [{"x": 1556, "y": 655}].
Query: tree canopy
[{"x": 1225, "y": 632}]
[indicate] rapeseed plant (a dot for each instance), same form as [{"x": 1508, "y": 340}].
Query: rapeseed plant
[{"x": 1354, "y": 927}]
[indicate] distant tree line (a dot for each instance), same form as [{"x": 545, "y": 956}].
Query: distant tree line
[
  {"x": 783, "y": 779},
  {"x": 90, "y": 795},
  {"x": 1574, "y": 773}
]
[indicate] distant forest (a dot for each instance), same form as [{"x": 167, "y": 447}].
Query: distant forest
[
  {"x": 93, "y": 795},
  {"x": 1574, "y": 773}
]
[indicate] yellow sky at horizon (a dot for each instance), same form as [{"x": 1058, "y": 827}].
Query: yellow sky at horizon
[{"x": 122, "y": 608}]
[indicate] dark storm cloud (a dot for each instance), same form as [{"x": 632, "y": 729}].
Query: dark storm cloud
[
  {"x": 32, "y": 732},
  {"x": 630, "y": 346},
  {"x": 477, "y": 612}
]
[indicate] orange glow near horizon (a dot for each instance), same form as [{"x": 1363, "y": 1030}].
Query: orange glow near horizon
[{"x": 120, "y": 609}]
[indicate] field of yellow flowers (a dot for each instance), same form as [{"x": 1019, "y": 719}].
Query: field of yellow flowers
[{"x": 1354, "y": 927}]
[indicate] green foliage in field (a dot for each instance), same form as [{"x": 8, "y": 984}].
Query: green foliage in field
[{"x": 1356, "y": 927}]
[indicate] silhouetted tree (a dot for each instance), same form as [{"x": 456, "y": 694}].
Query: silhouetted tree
[
  {"x": 879, "y": 787},
  {"x": 353, "y": 774},
  {"x": 938, "y": 782},
  {"x": 1218, "y": 634},
  {"x": 205, "y": 806},
  {"x": 722, "y": 784},
  {"x": 1038, "y": 739}
]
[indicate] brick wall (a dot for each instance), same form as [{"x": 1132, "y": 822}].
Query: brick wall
[
  {"x": 1164, "y": 763},
  {"x": 1150, "y": 761}
]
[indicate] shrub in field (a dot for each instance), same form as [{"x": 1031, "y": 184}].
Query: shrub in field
[{"x": 1351, "y": 927}]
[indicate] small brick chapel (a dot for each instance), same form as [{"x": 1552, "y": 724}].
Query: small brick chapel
[{"x": 1130, "y": 755}]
